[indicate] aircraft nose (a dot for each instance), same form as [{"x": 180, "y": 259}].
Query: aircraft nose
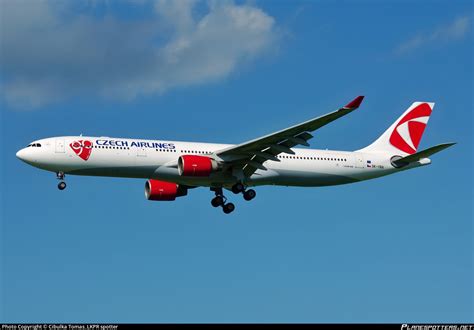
[
  {"x": 20, "y": 154},
  {"x": 23, "y": 155}
]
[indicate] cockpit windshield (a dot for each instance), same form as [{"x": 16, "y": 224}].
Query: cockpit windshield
[{"x": 38, "y": 145}]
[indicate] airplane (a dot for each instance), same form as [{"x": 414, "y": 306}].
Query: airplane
[{"x": 172, "y": 168}]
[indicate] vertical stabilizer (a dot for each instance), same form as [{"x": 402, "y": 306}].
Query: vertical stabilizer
[{"x": 404, "y": 135}]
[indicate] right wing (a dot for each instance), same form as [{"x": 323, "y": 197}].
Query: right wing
[{"x": 250, "y": 156}]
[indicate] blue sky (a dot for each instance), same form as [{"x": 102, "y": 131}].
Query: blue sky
[{"x": 395, "y": 249}]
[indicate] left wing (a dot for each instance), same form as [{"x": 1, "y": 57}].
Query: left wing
[{"x": 250, "y": 156}]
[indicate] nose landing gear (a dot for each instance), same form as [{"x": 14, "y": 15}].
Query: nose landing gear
[{"x": 62, "y": 184}]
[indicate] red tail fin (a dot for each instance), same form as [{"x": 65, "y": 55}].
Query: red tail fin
[{"x": 404, "y": 136}]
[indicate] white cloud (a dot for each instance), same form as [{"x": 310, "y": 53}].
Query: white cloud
[
  {"x": 50, "y": 52},
  {"x": 456, "y": 30}
]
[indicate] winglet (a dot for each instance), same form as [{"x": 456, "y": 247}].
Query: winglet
[{"x": 355, "y": 103}]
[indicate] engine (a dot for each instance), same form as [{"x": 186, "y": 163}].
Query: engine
[
  {"x": 190, "y": 165},
  {"x": 156, "y": 190}
]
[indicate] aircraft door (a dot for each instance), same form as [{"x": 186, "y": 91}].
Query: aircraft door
[
  {"x": 59, "y": 146},
  {"x": 359, "y": 160},
  {"x": 141, "y": 152}
]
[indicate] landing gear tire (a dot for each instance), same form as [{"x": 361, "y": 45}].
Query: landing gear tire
[
  {"x": 217, "y": 201},
  {"x": 238, "y": 188},
  {"x": 62, "y": 185},
  {"x": 228, "y": 208},
  {"x": 249, "y": 194}
]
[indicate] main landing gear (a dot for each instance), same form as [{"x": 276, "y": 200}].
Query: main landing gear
[
  {"x": 249, "y": 194},
  {"x": 62, "y": 184},
  {"x": 240, "y": 188},
  {"x": 221, "y": 200}
]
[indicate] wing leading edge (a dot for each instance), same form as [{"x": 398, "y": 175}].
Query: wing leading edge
[{"x": 250, "y": 156}]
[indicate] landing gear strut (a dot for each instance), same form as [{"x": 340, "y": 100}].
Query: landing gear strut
[
  {"x": 62, "y": 184},
  {"x": 221, "y": 200}
]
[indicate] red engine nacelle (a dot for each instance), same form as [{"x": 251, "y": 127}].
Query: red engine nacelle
[
  {"x": 156, "y": 190},
  {"x": 190, "y": 165}
]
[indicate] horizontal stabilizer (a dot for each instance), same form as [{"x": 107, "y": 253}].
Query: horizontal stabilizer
[{"x": 422, "y": 154}]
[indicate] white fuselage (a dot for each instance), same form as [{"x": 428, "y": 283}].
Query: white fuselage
[{"x": 153, "y": 159}]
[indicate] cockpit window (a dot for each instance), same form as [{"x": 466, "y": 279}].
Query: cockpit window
[
  {"x": 34, "y": 145},
  {"x": 38, "y": 145}
]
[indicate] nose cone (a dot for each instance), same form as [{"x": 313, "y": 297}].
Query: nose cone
[{"x": 23, "y": 155}]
